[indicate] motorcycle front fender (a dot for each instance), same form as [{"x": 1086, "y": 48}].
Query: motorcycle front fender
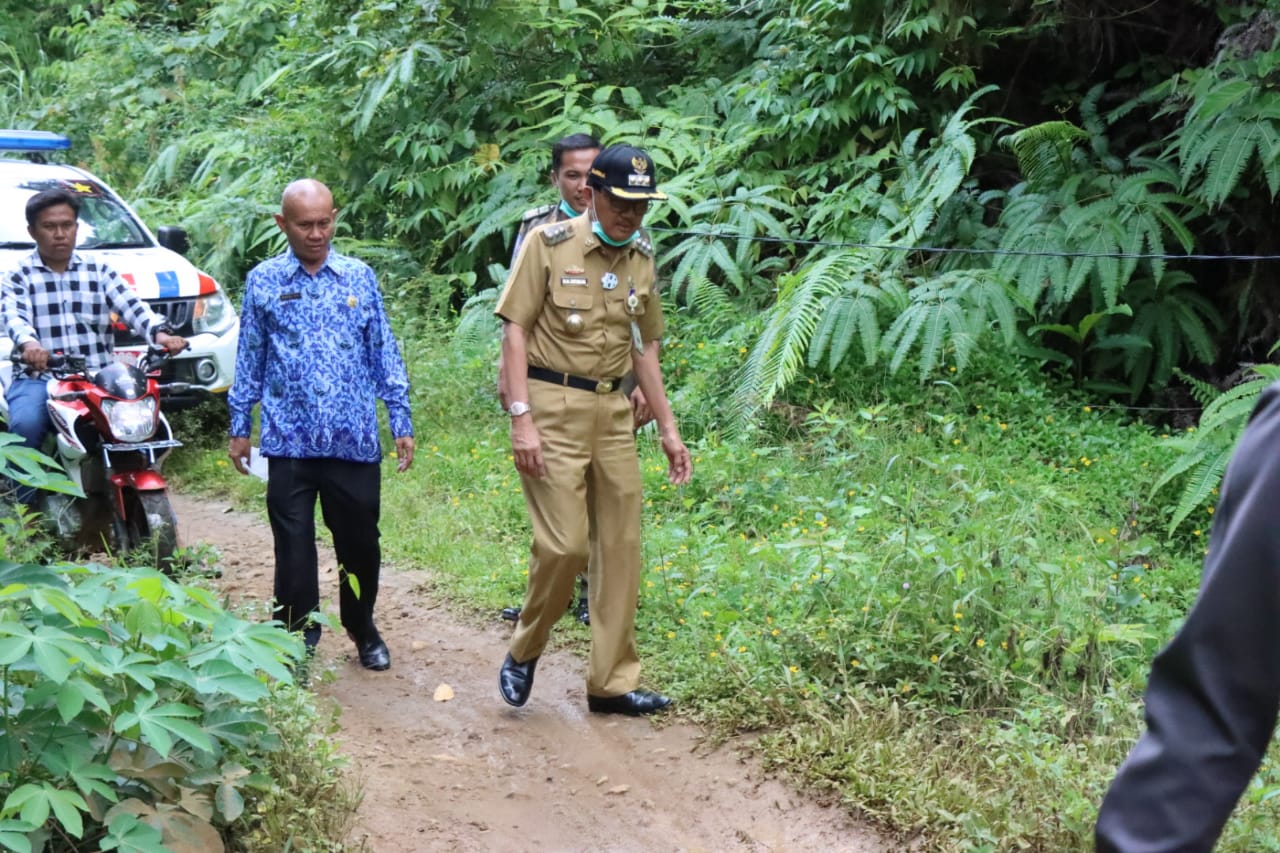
[{"x": 145, "y": 480}]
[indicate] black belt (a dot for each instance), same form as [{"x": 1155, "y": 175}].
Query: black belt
[{"x": 600, "y": 386}]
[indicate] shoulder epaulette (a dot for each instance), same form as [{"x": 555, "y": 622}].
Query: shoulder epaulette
[
  {"x": 537, "y": 212},
  {"x": 558, "y": 233},
  {"x": 643, "y": 244}
]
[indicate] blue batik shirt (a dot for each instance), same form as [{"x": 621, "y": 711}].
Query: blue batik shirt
[{"x": 317, "y": 352}]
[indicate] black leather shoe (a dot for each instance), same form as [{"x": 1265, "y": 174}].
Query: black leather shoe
[
  {"x": 374, "y": 653},
  {"x": 633, "y": 704},
  {"x": 511, "y": 614},
  {"x": 584, "y": 612},
  {"x": 515, "y": 680}
]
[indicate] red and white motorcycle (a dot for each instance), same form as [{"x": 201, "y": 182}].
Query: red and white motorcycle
[{"x": 111, "y": 441}]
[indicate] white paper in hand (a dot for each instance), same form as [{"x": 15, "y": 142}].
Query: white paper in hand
[{"x": 257, "y": 464}]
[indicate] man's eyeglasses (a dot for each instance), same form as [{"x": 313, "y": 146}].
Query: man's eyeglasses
[{"x": 620, "y": 206}]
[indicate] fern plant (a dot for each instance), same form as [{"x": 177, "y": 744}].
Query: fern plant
[
  {"x": 1174, "y": 325},
  {"x": 1232, "y": 120},
  {"x": 727, "y": 250},
  {"x": 1206, "y": 451},
  {"x": 868, "y": 296}
]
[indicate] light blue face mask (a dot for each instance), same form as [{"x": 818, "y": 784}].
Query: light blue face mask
[
  {"x": 604, "y": 238},
  {"x": 567, "y": 209}
]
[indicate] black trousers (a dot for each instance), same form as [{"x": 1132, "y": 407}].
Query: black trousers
[{"x": 350, "y": 502}]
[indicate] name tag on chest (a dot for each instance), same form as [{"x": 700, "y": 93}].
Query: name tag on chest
[{"x": 573, "y": 281}]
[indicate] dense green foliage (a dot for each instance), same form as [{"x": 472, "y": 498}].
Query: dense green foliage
[
  {"x": 930, "y": 241},
  {"x": 138, "y": 715}
]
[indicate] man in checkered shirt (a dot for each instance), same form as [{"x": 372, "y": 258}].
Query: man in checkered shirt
[{"x": 55, "y": 300}]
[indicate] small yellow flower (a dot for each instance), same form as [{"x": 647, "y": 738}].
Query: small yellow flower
[
  {"x": 1088, "y": 408},
  {"x": 774, "y": 632},
  {"x": 981, "y": 642},
  {"x": 794, "y": 668},
  {"x": 855, "y": 662},
  {"x": 933, "y": 658},
  {"x": 713, "y": 655},
  {"x": 671, "y": 635}
]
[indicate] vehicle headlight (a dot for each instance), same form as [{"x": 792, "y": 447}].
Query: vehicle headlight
[
  {"x": 213, "y": 313},
  {"x": 131, "y": 420}
]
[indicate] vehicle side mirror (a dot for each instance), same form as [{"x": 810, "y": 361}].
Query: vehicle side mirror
[{"x": 173, "y": 238}]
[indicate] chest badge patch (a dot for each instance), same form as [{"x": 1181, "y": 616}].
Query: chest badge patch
[{"x": 609, "y": 281}]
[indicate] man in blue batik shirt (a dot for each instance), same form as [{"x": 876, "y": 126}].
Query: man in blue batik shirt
[{"x": 317, "y": 353}]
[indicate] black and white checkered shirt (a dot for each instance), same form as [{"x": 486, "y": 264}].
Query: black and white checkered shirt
[{"x": 71, "y": 312}]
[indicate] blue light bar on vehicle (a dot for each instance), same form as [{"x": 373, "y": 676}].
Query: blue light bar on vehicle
[{"x": 32, "y": 140}]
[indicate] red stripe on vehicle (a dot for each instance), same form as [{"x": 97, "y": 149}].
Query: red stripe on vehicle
[{"x": 207, "y": 284}]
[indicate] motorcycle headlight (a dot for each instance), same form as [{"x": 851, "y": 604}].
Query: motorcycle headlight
[
  {"x": 213, "y": 313},
  {"x": 131, "y": 420}
]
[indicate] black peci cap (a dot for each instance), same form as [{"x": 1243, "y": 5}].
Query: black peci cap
[{"x": 626, "y": 172}]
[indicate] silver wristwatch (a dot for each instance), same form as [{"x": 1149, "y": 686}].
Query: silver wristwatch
[{"x": 518, "y": 408}]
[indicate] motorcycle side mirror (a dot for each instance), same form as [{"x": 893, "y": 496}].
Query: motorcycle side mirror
[{"x": 173, "y": 238}]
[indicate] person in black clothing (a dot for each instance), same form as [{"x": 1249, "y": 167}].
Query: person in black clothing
[{"x": 1214, "y": 691}]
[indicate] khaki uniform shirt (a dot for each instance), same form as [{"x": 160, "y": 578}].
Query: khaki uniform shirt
[
  {"x": 531, "y": 219},
  {"x": 561, "y": 277}
]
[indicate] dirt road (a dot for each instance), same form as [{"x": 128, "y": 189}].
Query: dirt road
[{"x": 472, "y": 774}]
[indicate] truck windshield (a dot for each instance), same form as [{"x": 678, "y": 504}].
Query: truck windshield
[{"x": 104, "y": 222}]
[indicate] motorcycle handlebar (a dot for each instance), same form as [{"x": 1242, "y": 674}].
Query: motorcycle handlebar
[{"x": 60, "y": 364}]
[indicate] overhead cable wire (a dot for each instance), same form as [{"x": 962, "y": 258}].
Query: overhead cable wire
[{"x": 946, "y": 250}]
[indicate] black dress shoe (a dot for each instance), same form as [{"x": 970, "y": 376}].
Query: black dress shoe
[
  {"x": 633, "y": 704},
  {"x": 511, "y": 614},
  {"x": 374, "y": 654},
  {"x": 515, "y": 680},
  {"x": 584, "y": 612}
]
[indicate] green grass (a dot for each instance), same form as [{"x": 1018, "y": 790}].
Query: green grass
[{"x": 937, "y": 602}]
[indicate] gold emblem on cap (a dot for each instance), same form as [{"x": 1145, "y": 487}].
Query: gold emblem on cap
[{"x": 639, "y": 163}]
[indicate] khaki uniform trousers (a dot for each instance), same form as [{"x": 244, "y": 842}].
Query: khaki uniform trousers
[{"x": 593, "y": 479}]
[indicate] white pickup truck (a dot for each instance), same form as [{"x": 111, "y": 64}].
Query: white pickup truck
[{"x": 194, "y": 304}]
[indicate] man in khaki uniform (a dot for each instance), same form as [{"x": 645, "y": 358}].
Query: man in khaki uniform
[
  {"x": 571, "y": 159},
  {"x": 579, "y": 309}
]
